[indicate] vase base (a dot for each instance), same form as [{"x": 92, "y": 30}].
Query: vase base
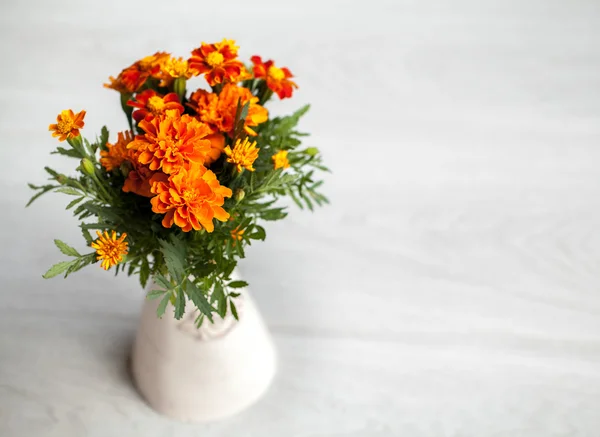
[{"x": 202, "y": 375}]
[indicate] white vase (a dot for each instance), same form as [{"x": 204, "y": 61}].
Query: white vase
[{"x": 199, "y": 375}]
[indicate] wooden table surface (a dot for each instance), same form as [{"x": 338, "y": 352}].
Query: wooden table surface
[{"x": 451, "y": 289}]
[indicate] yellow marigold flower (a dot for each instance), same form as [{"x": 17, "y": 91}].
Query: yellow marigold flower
[
  {"x": 219, "y": 110},
  {"x": 237, "y": 235},
  {"x": 190, "y": 199},
  {"x": 243, "y": 155},
  {"x": 112, "y": 158},
  {"x": 280, "y": 159},
  {"x": 172, "y": 140},
  {"x": 67, "y": 124},
  {"x": 172, "y": 69},
  {"x": 110, "y": 249},
  {"x": 218, "y": 62}
]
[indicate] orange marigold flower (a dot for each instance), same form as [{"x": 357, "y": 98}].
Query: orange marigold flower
[
  {"x": 112, "y": 158},
  {"x": 278, "y": 79},
  {"x": 110, "y": 249},
  {"x": 280, "y": 159},
  {"x": 133, "y": 77},
  {"x": 152, "y": 64},
  {"x": 219, "y": 110},
  {"x": 128, "y": 81},
  {"x": 138, "y": 180},
  {"x": 67, "y": 124},
  {"x": 191, "y": 199},
  {"x": 150, "y": 103},
  {"x": 217, "y": 62},
  {"x": 172, "y": 69},
  {"x": 171, "y": 140},
  {"x": 243, "y": 154}
]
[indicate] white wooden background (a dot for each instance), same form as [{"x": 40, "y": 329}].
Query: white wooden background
[{"x": 451, "y": 289}]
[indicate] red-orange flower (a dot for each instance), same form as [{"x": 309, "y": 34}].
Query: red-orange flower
[
  {"x": 278, "y": 79},
  {"x": 172, "y": 140},
  {"x": 67, "y": 124},
  {"x": 190, "y": 199},
  {"x": 117, "y": 153},
  {"x": 218, "y": 62},
  {"x": 150, "y": 103},
  {"x": 138, "y": 180},
  {"x": 133, "y": 77},
  {"x": 219, "y": 110}
]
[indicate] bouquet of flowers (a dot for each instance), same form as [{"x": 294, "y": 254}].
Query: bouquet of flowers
[{"x": 178, "y": 196}]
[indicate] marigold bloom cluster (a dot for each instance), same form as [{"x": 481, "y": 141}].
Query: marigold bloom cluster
[{"x": 185, "y": 151}]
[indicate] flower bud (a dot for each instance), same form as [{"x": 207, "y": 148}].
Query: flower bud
[
  {"x": 88, "y": 167},
  {"x": 311, "y": 151},
  {"x": 179, "y": 87},
  {"x": 239, "y": 195}
]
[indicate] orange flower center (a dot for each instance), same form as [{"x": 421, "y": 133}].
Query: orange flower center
[
  {"x": 190, "y": 196},
  {"x": 64, "y": 126},
  {"x": 276, "y": 73},
  {"x": 214, "y": 59},
  {"x": 156, "y": 104}
]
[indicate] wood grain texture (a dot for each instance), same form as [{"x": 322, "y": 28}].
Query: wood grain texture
[{"x": 452, "y": 287}]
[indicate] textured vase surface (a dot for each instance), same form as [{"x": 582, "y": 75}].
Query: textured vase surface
[{"x": 205, "y": 374}]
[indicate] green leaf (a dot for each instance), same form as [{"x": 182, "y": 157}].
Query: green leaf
[
  {"x": 156, "y": 293},
  {"x": 203, "y": 270},
  {"x": 81, "y": 263},
  {"x": 100, "y": 226},
  {"x": 100, "y": 211},
  {"x": 237, "y": 284},
  {"x": 43, "y": 190},
  {"x": 162, "y": 306},
  {"x": 199, "y": 299},
  {"x": 72, "y": 203},
  {"x": 103, "y": 138},
  {"x": 65, "y": 248},
  {"x": 174, "y": 253},
  {"x": 179, "y": 304},
  {"x": 233, "y": 310},
  {"x": 57, "y": 269},
  {"x": 273, "y": 214},
  {"x": 234, "y": 294},
  {"x": 88, "y": 238},
  {"x": 144, "y": 272},
  {"x": 162, "y": 281},
  {"x": 219, "y": 297},
  {"x": 229, "y": 269},
  {"x": 69, "y": 190},
  {"x": 258, "y": 234},
  {"x": 72, "y": 153}
]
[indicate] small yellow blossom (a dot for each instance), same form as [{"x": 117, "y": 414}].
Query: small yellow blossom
[
  {"x": 237, "y": 234},
  {"x": 110, "y": 249},
  {"x": 243, "y": 155},
  {"x": 280, "y": 159}
]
